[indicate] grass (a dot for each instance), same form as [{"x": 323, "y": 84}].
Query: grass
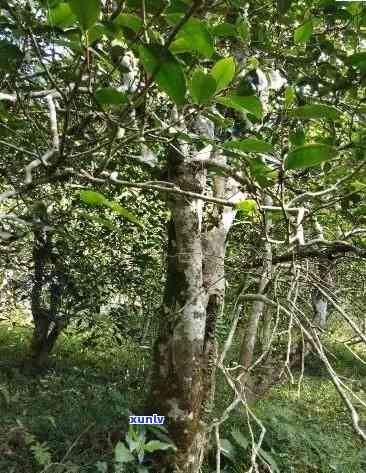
[
  {"x": 308, "y": 430},
  {"x": 86, "y": 391},
  {"x": 75, "y": 413}
]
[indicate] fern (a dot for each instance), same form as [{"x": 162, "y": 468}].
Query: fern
[{"x": 40, "y": 451}]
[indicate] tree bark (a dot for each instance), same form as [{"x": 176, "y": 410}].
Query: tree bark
[
  {"x": 251, "y": 329},
  {"x": 326, "y": 272},
  {"x": 184, "y": 353},
  {"x": 46, "y": 326}
]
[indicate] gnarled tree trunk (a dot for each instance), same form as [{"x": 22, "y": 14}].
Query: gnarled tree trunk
[{"x": 184, "y": 361}]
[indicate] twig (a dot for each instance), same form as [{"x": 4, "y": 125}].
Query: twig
[{"x": 53, "y": 151}]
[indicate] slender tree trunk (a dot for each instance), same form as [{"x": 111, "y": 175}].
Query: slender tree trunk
[
  {"x": 251, "y": 329},
  {"x": 46, "y": 328},
  {"x": 184, "y": 355},
  {"x": 266, "y": 327},
  {"x": 326, "y": 269}
]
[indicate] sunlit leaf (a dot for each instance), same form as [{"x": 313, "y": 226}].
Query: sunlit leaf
[
  {"x": 290, "y": 96},
  {"x": 307, "y": 156},
  {"x": 228, "y": 449},
  {"x": 155, "y": 445},
  {"x": 96, "y": 32},
  {"x": 96, "y": 199},
  {"x": 93, "y": 198},
  {"x": 248, "y": 206},
  {"x": 167, "y": 72},
  {"x": 241, "y": 103},
  {"x": 304, "y": 32},
  {"x": 195, "y": 37},
  {"x": 122, "y": 454},
  {"x": 86, "y": 11},
  {"x": 202, "y": 87},
  {"x": 268, "y": 458},
  {"x": 243, "y": 30},
  {"x": 117, "y": 208},
  {"x": 223, "y": 72},
  {"x": 61, "y": 16},
  {"x": 104, "y": 222}
]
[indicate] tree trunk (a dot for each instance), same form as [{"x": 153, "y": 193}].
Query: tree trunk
[
  {"x": 43, "y": 340},
  {"x": 184, "y": 354},
  {"x": 326, "y": 269},
  {"x": 46, "y": 326},
  {"x": 251, "y": 328}
]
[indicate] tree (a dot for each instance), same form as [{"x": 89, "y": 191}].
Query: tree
[{"x": 221, "y": 108}]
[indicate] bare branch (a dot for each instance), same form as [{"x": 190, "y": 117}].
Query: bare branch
[{"x": 55, "y": 142}]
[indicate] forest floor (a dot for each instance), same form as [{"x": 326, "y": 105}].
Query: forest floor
[{"x": 76, "y": 411}]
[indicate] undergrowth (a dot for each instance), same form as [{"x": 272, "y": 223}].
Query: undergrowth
[{"x": 70, "y": 418}]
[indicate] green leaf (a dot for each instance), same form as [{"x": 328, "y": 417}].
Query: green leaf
[
  {"x": 249, "y": 145},
  {"x": 223, "y": 72},
  {"x": 248, "y": 207},
  {"x": 239, "y": 438},
  {"x": 104, "y": 222},
  {"x": 263, "y": 174},
  {"x": 110, "y": 96},
  {"x": 307, "y": 156},
  {"x": 225, "y": 30},
  {"x": 96, "y": 32},
  {"x": 243, "y": 30},
  {"x": 133, "y": 22},
  {"x": 96, "y": 199},
  {"x": 228, "y": 450},
  {"x": 61, "y": 16},
  {"x": 102, "y": 467},
  {"x": 117, "y": 208},
  {"x": 297, "y": 137},
  {"x": 195, "y": 37},
  {"x": 290, "y": 96},
  {"x": 169, "y": 76},
  {"x": 93, "y": 198},
  {"x": 10, "y": 56},
  {"x": 86, "y": 11},
  {"x": 356, "y": 59},
  {"x": 303, "y": 33},
  {"x": 241, "y": 103},
  {"x": 122, "y": 454},
  {"x": 269, "y": 459},
  {"x": 315, "y": 111},
  {"x": 202, "y": 87},
  {"x": 155, "y": 445},
  {"x": 180, "y": 46}
]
